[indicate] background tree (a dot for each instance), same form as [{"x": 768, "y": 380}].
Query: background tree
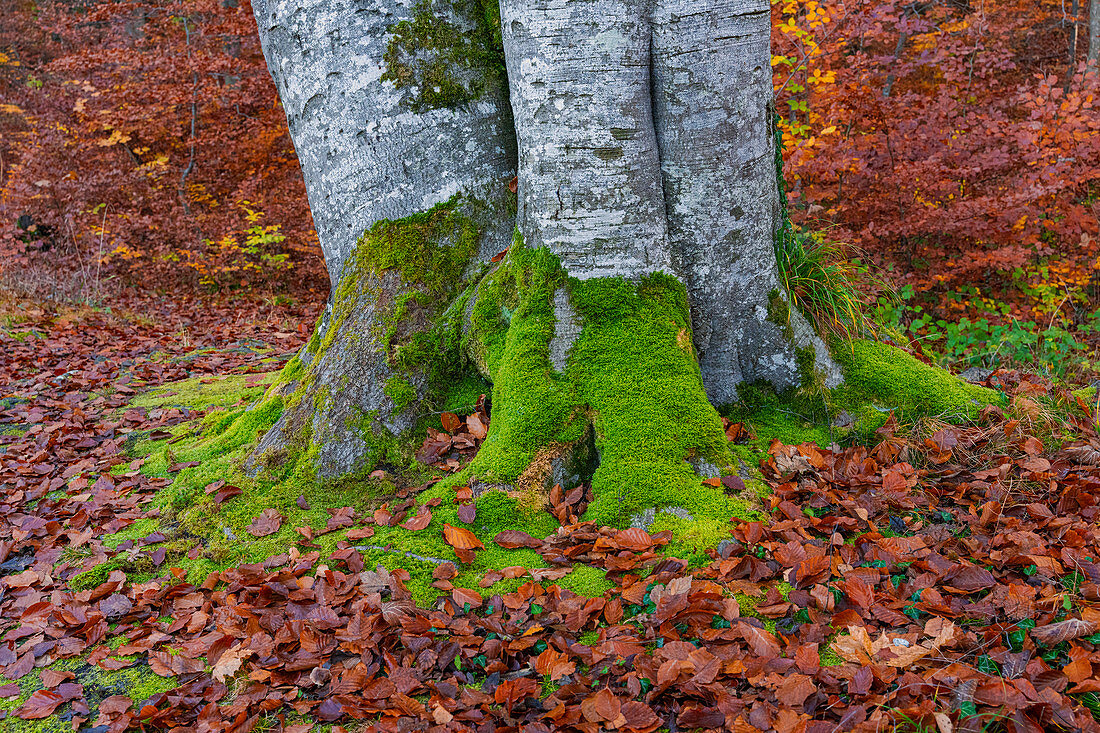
[{"x": 642, "y": 285}]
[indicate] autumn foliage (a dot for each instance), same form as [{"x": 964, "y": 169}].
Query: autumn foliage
[
  {"x": 143, "y": 140},
  {"x": 952, "y": 142},
  {"x": 955, "y": 143}
]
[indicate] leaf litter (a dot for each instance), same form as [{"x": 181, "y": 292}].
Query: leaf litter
[{"x": 945, "y": 578}]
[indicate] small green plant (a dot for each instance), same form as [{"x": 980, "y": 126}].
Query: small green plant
[
  {"x": 993, "y": 338},
  {"x": 238, "y": 258},
  {"x": 822, "y": 282}
]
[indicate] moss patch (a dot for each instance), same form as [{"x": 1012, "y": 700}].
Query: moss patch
[
  {"x": 632, "y": 374},
  {"x": 892, "y": 379},
  {"x": 438, "y": 62},
  {"x": 204, "y": 392}
]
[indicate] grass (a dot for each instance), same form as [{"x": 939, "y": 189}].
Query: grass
[{"x": 823, "y": 283}]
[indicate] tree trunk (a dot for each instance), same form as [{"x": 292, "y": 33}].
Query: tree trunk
[
  {"x": 642, "y": 286},
  {"x": 1094, "y": 34},
  {"x": 393, "y": 110}
]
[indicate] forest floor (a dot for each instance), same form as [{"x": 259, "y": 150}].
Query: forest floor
[{"x": 942, "y": 577}]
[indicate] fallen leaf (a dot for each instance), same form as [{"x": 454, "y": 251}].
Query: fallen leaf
[{"x": 267, "y": 523}]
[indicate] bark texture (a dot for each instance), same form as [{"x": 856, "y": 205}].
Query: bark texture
[
  {"x": 589, "y": 170},
  {"x": 369, "y": 148},
  {"x": 645, "y": 144},
  {"x": 1094, "y": 33},
  {"x": 394, "y": 107}
]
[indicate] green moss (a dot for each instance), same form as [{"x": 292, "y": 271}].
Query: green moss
[
  {"x": 439, "y": 64},
  {"x": 430, "y": 249},
  {"x": 878, "y": 379},
  {"x": 204, "y": 392},
  {"x": 635, "y": 367},
  {"x": 463, "y": 395},
  {"x": 827, "y": 656},
  {"x": 533, "y": 405},
  {"x": 890, "y": 378},
  {"x": 587, "y": 581},
  {"x": 497, "y": 298},
  {"x": 808, "y": 376},
  {"x": 779, "y": 312},
  {"x": 1087, "y": 394},
  {"x": 141, "y": 528},
  {"x": 632, "y": 374},
  {"x": 401, "y": 391},
  {"x": 589, "y": 638},
  {"x": 691, "y": 538}
]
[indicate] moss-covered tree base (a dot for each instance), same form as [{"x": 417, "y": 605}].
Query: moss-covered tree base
[
  {"x": 606, "y": 358},
  {"x": 385, "y": 351},
  {"x": 593, "y": 382}
]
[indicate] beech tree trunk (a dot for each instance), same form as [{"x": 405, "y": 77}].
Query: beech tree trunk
[
  {"x": 1094, "y": 34},
  {"x": 640, "y": 135}
]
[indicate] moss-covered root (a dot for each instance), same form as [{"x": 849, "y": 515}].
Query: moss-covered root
[
  {"x": 566, "y": 356},
  {"x": 880, "y": 378},
  {"x": 384, "y": 350}
]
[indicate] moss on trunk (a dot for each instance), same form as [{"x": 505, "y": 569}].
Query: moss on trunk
[{"x": 630, "y": 372}]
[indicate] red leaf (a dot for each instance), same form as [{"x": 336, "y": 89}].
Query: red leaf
[{"x": 41, "y": 704}]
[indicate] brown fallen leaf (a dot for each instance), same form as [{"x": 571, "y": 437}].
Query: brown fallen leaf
[
  {"x": 451, "y": 422},
  {"x": 267, "y": 523},
  {"x": 1056, "y": 633},
  {"x": 510, "y": 539},
  {"x": 476, "y": 427},
  {"x": 463, "y": 541},
  {"x": 794, "y": 690},
  {"x": 554, "y": 663},
  {"x": 422, "y": 519}
]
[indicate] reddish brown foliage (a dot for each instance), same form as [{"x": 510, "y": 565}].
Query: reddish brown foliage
[
  {"x": 139, "y": 136},
  {"x": 952, "y": 140}
]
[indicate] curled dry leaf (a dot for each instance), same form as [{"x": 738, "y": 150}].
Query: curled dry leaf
[
  {"x": 422, "y": 519},
  {"x": 1056, "y": 633}
]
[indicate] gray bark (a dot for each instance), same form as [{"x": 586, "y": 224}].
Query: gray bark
[
  {"x": 1094, "y": 33},
  {"x": 645, "y": 144},
  {"x": 369, "y": 151},
  {"x": 364, "y": 154},
  {"x": 589, "y": 171},
  {"x": 714, "y": 121}
]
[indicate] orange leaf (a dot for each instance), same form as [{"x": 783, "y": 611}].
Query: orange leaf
[
  {"x": 450, "y": 421},
  {"x": 634, "y": 539},
  {"x": 463, "y": 540}
]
